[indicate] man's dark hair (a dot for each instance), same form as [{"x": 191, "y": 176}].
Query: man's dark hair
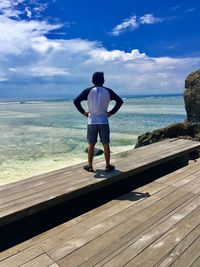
[{"x": 98, "y": 78}]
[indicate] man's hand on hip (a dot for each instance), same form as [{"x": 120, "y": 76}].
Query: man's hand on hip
[{"x": 86, "y": 114}]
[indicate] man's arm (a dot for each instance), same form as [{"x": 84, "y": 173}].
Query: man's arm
[
  {"x": 77, "y": 101},
  {"x": 117, "y": 99}
]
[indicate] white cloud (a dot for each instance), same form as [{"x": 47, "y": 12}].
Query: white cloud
[
  {"x": 8, "y": 8},
  {"x": 3, "y": 79},
  {"x": 5, "y": 4},
  {"x": 28, "y": 12},
  {"x": 134, "y": 22},
  {"x": 71, "y": 62},
  {"x": 41, "y": 71},
  {"x": 190, "y": 10},
  {"x": 20, "y": 36},
  {"x": 127, "y": 24},
  {"x": 29, "y": 60},
  {"x": 16, "y": 8},
  {"x": 12, "y": 69},
  {"x": 176, "y": 7},
  {"x": 101, "y": 55},
  {"x": 40, "y": 8},
  {"x": 149, "y": 19}
]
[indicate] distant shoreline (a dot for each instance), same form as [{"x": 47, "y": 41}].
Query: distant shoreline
[{"x": 70, "y": 98}]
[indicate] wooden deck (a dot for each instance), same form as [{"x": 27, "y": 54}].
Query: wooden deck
[
  {"x": 136, "y": 229},
  {"x": 21, "y": 199}
]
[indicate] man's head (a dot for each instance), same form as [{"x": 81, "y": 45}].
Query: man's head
[{"x": 98, "y": 78}]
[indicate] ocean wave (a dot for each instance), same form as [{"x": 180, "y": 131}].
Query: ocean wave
[
  {"x": 22, "y": 102},
  {"x": 9, "y": 102}
]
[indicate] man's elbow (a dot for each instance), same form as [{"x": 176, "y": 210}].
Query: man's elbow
[
  {"x": 75, "y": 102},
  {"x": 121, "y": 102}
]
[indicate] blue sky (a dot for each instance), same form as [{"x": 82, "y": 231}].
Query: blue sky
[{"x": 51, "y": 48}]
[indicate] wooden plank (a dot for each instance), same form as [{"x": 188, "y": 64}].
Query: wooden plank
[
  {"x": 136, "y": 241},
  {"x": 41, "y": 197},
  {"x": 47, "y": 183},
  {"x": 33, "y": 185},
  {"x": 189, "y": 256},
  {"x": 87, "y": 234},
  {"x": 179, "y": 249},
  {"x": 170, "y": 208},
  {"x": 43, "y": 192},
  {"x": 52, "y": 176},
  {"x": 22, "y": 257},
  {"x": 41, "y": 177},
  {"x": 41, "y": 261},
  {"x": 164, "y": 237},
  {"x": 103, "y": 248},
  {"x": 111, "y": 229},
  {"x": 54, "y": 265},
  {"x": 35, "y": 202},
  {"x": 196, "y": 263},
  {"x": 193, "y": 177},
  {"x": 41, "y": 183},
  {"x": 180, "y": 174},
  {"x": 55, "y": 240},
  {"x": 152, "y": 161},
  {"x": 152, "y": 188},
  {"x": 193, "y": 186}
]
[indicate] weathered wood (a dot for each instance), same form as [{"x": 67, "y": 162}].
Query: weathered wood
[
  {"x": 106, "y": 224},
  {"x": 21, "y": 257},
  {"x": 171, "y": 178},
  {"x": 118, "y": 237},
  {"x": 159, "y": 230},
  {"x": 179, "y": 249},
  {"x": 27, "y": 197},
  {"x": 147, "y": 244},
  {"x": 47, "y": 179},
  {"x": 43, "y": 261},
  {"x": 176, "y": 195},
  {"x": 196, "y": 263},
  {"x": 190, "y": 255},
  {"x": 15, "y": 255},
  {"x": 153, "y": 188}
]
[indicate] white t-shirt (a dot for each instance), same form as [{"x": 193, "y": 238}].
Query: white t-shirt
[{"x": 98, "y": 101}]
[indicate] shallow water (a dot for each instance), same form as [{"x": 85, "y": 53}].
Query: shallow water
[{"x": 40, "y": 136}]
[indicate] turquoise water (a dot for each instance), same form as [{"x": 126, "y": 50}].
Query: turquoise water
[{"x": 39, "y": 136}]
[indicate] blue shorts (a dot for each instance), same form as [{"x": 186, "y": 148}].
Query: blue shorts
[{"x": 103, "y": 130}]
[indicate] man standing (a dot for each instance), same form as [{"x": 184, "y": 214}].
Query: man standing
[{"x": 98, "y": 98}]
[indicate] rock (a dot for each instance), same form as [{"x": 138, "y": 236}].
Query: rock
[
  {"x": 184, "y": 130},
  {"x": 97, "y": 151},
  {"x": 190, "y": 129},
  {"x": 192, "y": 96}
]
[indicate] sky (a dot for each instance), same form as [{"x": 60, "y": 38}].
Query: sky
[{"x": 49, "y": 49}]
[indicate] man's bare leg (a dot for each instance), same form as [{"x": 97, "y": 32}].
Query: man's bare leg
[
  {"x": 90, "y": 154},
  {"x": 106, "y": 148}
]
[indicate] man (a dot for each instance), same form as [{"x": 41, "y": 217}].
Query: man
[{"x": 98, "y": 98}]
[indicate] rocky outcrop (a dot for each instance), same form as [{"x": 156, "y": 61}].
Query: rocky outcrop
[
  {"x": 190, "y": 129},
  {"x": 180, "y": 130},
  {"x": 192, "y": 96}
]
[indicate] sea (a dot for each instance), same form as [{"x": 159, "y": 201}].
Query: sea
[{"x": 44, "y": 135}]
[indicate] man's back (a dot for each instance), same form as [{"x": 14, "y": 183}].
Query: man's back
[{"x": 98, "y": 101}]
